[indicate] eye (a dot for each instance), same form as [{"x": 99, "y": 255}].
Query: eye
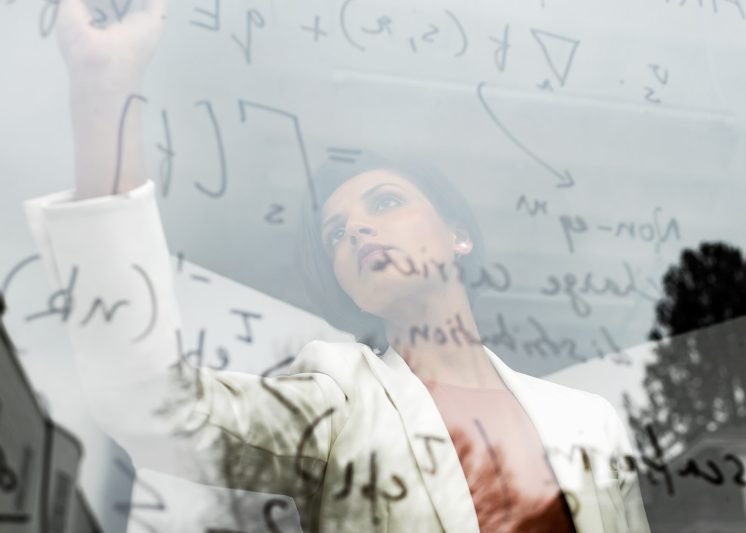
[
  {"x": 387, "y": 201},
  {"x": 334, "y": 236}
]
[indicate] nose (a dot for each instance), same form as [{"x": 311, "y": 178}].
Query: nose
[{"x": 359, "y": 229}]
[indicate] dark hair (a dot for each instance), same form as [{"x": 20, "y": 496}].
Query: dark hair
[{"x": 330, "y": 300}]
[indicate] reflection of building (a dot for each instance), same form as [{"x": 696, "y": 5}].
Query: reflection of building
[
  {"x": 38, "y": 459},
  {"x": 699, "y": 505}
]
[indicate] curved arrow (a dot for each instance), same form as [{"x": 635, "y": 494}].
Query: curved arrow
[{"x": 565, "y": 178}]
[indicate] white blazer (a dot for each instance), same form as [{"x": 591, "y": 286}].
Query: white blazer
[{"x": 355, "y": 438}]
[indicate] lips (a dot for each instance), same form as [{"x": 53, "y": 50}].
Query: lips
[{"x": 368, "y": 252}]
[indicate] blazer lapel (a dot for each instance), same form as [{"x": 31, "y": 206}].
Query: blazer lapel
[
  {"x": 439, "y": 463},
  {"x": 436, "y": 457}
]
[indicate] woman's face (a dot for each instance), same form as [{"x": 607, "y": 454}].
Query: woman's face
[{"x": 378, "y": 214}]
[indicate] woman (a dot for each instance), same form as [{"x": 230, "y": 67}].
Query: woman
[{"x": 435, "y": 434}]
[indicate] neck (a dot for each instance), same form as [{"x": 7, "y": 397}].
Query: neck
[{"x": 438, "y": 338}]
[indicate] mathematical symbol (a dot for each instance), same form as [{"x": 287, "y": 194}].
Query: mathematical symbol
[{"x": 316, "y": 29}]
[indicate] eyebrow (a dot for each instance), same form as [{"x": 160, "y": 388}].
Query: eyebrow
[{"x": 334, "y": 218}]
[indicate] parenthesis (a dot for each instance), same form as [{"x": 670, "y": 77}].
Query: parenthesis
[
  {"x": 657, "y": 228},
  {"x": 120, "y": 139},
  {"x": 153, "y": 304},
  {"x": 464, "y": 40},
  {"x": 15, "y": 270},
  {"x": 343, "y": 24},
  {"x": 267, "y": 512}
]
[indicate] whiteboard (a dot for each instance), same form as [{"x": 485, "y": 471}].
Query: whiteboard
[{"x": 594, "y": 139}]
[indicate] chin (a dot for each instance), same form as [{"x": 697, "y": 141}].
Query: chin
[{"x": 385, "y": 295}]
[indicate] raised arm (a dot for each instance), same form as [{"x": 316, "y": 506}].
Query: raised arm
[
  {"x": 108, "y": 248},
  {"x": 106, "y": 67}
]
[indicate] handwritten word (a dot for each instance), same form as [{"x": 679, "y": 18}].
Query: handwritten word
[
  {"x": 62, "y": 302},
  {"x": 541, "y": 343},
  {"x": 500, "y": 282},
  {"x": 571, "y": 286},
  {"x": 648, "y": 231},
  {"x": 536, "y": 339},
  {"x": 655, "y": 466},
  {"x": 371, "y": 490}
]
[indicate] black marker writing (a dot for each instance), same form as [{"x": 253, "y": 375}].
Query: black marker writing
[
  {"x": 267, "y": 513},
  {"x": 563, "y": 47},
  {"x": 273, "y": 217},
  {"x": 253, "y": 19},
  {"x": 120, "y": 139},
  {"x": 214, "y": 17},
  {"x": 198, "y": 352},
  {"x": 371, "y": 490},
  {"x": 165, "y": 170},
  {"x": 247, "y": 316},
  {"x": 565, "y": 179},
  {"x": 221, "y": 154},
  {"x": 243, "y": 104},
  {"x": 315, "y": 29},
  {"x": 48, "y": 17},
  {"x": 501, "y": 52},
  {"x": 433, "y": 468},
  {"x": 532, "y": 208},
  {"x": 306, "y": 476},
  {"x": 574, "y": 288}
]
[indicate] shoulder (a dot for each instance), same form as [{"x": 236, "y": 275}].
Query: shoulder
[
  {"x": 342, "y": 362},
  {"x": 560, "y": 392},
  {"x": 581, "y": 405}
]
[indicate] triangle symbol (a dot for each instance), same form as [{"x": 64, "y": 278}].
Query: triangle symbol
[{"x": 559, "y": 52}]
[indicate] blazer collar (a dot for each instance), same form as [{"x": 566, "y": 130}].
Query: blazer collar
[{"x": 436, "y": 456}]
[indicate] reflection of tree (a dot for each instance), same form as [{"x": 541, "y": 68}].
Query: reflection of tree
[
  {"x": 499, "y": 505},
  {"x": 696, "y": 384}
]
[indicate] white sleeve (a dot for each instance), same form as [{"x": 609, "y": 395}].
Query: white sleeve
[{"x": 226, "y": 428}]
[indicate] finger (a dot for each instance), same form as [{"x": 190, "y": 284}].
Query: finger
[
  {"x": 72, "y": 17},
  {"x": 72, "y": 23},
  {"x": 152, "y": 13},
  {"x": 157, "y": 8},
  {"x": 152, "y": 17}
]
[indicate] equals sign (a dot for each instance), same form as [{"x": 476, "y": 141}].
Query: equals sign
[{"x": 346, "y": 155}]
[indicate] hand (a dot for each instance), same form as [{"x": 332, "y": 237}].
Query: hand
[{"x": 118, "y": 52}]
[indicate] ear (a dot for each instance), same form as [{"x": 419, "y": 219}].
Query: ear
[{"x": 462, "y": 243}]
